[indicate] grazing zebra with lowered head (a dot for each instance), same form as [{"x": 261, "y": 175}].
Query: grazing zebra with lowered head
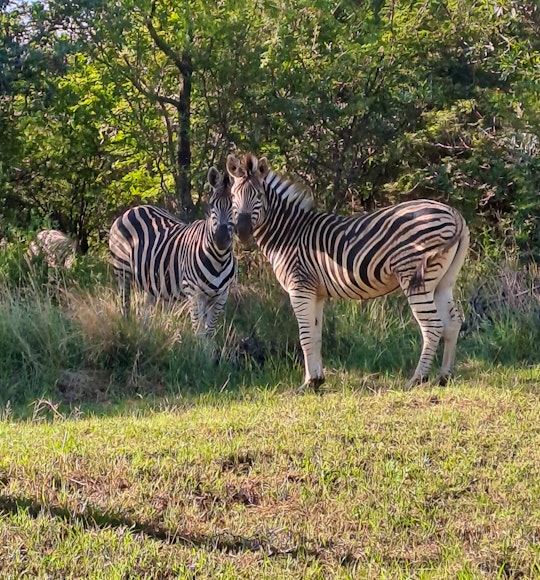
[
  {"x": 172, "y": 260},
  {"x": 418, "y": 246},
  {"x": 57, "y": 248}
]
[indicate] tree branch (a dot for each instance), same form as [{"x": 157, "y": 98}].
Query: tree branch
[
  {"x": 147, "y": 92},
  {"x": 180, "y": 63}
]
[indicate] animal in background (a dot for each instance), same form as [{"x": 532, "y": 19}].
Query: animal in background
[{"x": 58, "y": 249}]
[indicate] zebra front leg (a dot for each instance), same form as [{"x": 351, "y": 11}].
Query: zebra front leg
[
  {"x": 308, "y": 309},
  {"x": 425, "y": 311},
  {"x": 214, "y": 308},
  {"x": 197, "y": 309}
]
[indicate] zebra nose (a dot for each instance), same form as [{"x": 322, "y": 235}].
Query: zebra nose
[
  {"x": 223, "y": 236},
  {"x": 244, "y": 228}
]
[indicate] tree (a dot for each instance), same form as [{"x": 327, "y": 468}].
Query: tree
[{"x": 368, "y": 103}]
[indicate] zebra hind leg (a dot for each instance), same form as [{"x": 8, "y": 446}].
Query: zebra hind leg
[
  {"x": 426, "y": 314},
  {"x": 123, "y": 279},
  {"x": 148, "y": 308},
  {"x": 431, "y": 301},
  {"x": 448, "y": 311}
]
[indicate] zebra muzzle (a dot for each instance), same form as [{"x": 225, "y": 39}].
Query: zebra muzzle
[
  {"x": 244, "y": 229},
  {"x": 223, "y": 237}
]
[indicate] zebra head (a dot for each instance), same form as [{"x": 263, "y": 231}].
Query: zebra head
[
  {"x": 220, "y": 215},
  {"x": 248, "y": 199}
]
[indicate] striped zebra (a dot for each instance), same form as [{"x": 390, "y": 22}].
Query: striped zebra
[
  {"x": 58, "y": 249},
  {"x": 171, "y": 260},
  {"x": 418, "y": 246}
]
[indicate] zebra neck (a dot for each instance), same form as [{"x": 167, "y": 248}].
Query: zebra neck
[
  {"x": 289, "y": 211},
  {"x": 283, "y": 226}
]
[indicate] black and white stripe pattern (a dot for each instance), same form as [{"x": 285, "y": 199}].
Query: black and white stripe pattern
[
  {"x": 58, "y": 249},
  {"x": 418, "y": 246},
  {"x": 169, "y": 259}
]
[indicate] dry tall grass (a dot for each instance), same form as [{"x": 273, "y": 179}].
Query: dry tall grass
[{"x": 60, "y": 337}]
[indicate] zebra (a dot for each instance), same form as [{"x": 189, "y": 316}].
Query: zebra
[
  {"x": 171, "y": 260},
  {"x": 418, "y": 246},
  {"x": 58, "y": 249}
]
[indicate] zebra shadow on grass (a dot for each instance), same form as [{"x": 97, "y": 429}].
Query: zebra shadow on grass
[{"x": 93, "y": 519}]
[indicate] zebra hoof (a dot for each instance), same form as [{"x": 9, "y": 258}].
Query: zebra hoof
[
  {"x": 313, "y": 384},
  {"x": 442, "y": 381},
  {"x": 415, "y": 381}
]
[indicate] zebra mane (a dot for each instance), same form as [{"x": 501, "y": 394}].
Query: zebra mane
[{"x": 290, "y": 192}]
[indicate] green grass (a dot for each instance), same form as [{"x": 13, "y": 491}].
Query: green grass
[
  {"x": 126, "y": 452},
  {"x": 433, "y": 483}
]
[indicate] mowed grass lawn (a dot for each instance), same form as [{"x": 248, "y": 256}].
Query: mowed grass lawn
[{"x": 365, "y": 480}]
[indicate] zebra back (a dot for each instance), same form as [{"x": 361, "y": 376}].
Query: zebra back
[{"x": 340, "y": 256}]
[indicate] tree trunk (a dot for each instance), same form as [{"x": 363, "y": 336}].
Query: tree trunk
[
  {"x": 182, "y": 61},
  {"x": 183, "y": 183}
]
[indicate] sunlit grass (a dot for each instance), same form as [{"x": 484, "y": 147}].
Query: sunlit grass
[{"x": 437, "y": 483}]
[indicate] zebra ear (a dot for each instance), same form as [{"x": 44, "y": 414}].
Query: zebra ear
[
  {"x": 250, "y": 162},
  {"x": 263, "y": 168},
  {"x": 234, "y": 166},
  {"x": 214, "y": 178}
]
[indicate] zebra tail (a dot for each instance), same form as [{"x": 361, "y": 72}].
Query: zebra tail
[{"x": 417, "y": 281}]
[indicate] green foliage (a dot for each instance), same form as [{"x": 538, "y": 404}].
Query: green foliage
[{"x": 367, "y": 103}]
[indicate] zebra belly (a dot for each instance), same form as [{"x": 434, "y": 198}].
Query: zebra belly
[{"x": 363, "y": 282}]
